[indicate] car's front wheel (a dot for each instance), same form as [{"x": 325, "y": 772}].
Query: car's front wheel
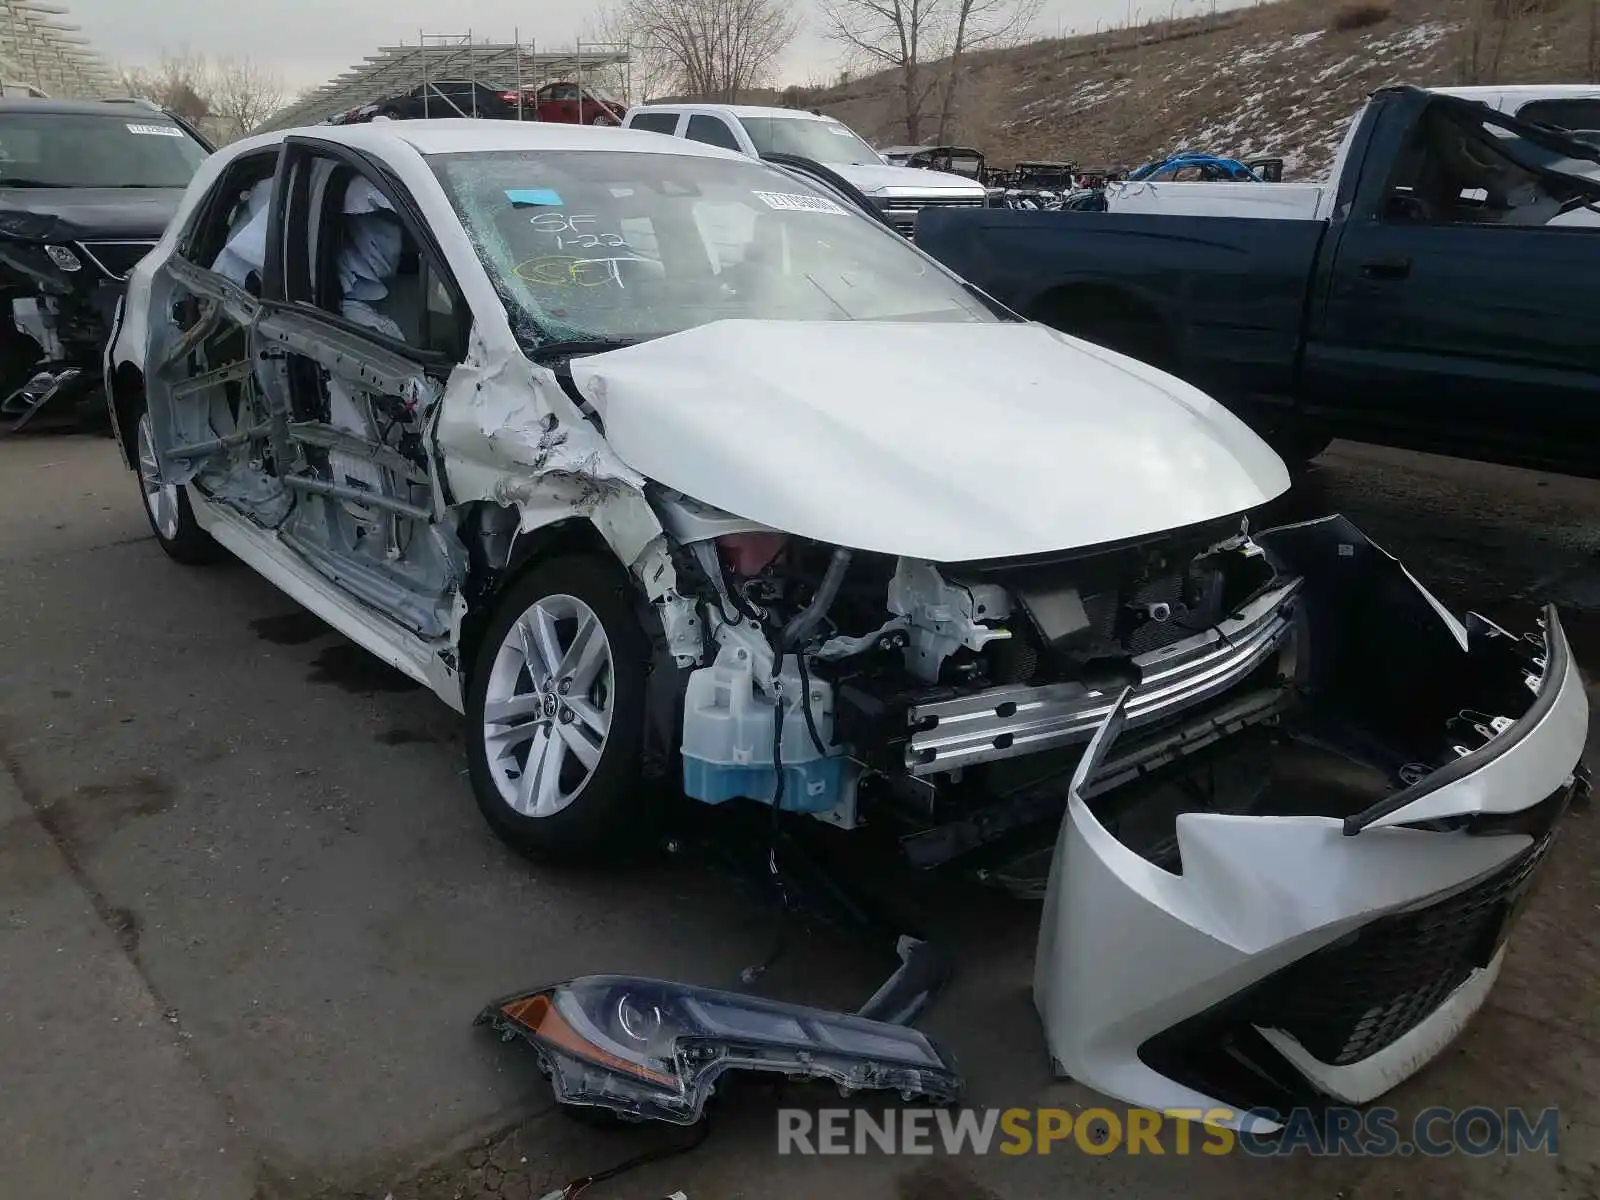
[
  {"x": 166, "y": 505},
  {"x": 555, "y": 712}
]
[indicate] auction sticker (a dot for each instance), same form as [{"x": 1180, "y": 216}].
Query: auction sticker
[
  {"x": 798, "y": 202},
  {"x": 156, "y": 130}
]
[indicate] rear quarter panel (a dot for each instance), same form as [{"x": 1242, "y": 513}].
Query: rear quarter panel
[{"x": 1230, "y": 293}]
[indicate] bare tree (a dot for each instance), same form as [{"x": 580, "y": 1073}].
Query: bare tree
[
  {"x": 183, "y": 82},
  {"x": 245, "y": 94},
  {"x": 902, "y": 35},
  {"x": 710, "y": 48},
  {"x": 979, "y": 25},
  {"x": 643, "y": 77}
]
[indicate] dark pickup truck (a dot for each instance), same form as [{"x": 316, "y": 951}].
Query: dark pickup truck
[{"x": 1449, "y": 301}]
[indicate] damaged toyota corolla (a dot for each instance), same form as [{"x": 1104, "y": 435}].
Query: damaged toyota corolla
[{"x": 669, "y": 468}]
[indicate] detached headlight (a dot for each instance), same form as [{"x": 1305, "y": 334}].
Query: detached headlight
[
  {"x": 647, "y": 1048},
  {"x": 64, "y": 258}
]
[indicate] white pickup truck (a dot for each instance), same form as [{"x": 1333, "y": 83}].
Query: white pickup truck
[
  {"x": 900, "y": 192},
  {"x": 1574, "y": 107}
]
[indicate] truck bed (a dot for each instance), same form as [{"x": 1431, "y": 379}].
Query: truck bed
[{"x": 1217, "y": 300}]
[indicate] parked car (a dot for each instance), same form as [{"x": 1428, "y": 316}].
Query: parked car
[
  {"x": 578, "y": 105},
  {"x": 86, "y": 188},
  {"x": 901, "y": 193},
  {"x": 558, "y": 102},
  {"x": 1195, "y": 167},
  {"x": 444, "y": 98},
  {"x": 953, "y": 160},
  {"x": 1433, "y": 295},
  {"x": 676, "y": 473}
]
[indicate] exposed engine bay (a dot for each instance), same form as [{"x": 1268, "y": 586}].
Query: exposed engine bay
[
  {"x": 951, "y": 701},
  {"x": 58, "y": 290}
]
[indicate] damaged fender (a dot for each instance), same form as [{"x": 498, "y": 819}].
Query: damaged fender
[{"x": 510, "y": 435}]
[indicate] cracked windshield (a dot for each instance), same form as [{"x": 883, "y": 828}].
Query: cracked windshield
[{"x": 627, "y": 246}]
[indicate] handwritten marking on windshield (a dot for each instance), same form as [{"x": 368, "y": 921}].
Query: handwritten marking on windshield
[
  {"x": 558, "y": 271},
  {"x": 569, "y": 231}
]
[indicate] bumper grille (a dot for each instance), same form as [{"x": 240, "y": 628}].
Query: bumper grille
[
  {"x": 1357, "y": 997},
  {"x": 902, "y": 214},
  {"x": 1347, "y": 1002},
  {"x": 1006, "y": 722},
  {"x": 116, "y": 259}
]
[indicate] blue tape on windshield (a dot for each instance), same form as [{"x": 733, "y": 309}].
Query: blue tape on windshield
[{"x": 535, "y": 196}]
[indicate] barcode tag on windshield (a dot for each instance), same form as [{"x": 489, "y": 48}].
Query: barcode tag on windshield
[
  {"x": 796, "y": 202},
  {"x": 156, "y": 130}
]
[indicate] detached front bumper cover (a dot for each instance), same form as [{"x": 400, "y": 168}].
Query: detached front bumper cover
[
  {"x": 653, "y": 1049},
  {"x": 1312, "y": 957}
]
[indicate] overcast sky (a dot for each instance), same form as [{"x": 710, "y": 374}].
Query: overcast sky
[{"x": 309, "y": 41}]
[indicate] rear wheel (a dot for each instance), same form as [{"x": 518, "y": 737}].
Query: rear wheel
[
  {"x": 166, "y": 505},
  {"x": 555, "y": 711},
  {"x": 1111, "y": 319}
]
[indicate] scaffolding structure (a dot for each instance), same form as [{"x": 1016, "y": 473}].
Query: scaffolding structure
[
  {"x": 436, "y": 58},
  {"x": 42, "y": 54}
]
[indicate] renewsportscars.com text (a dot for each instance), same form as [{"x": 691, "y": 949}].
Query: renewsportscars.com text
[{"x": 1375, "y": 1132}]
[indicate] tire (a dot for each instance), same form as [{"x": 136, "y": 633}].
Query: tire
[
  {"x": 167, "y": 507},
  {"x": 1141, "y": 340},
  {"x": 585, "y": 800}
]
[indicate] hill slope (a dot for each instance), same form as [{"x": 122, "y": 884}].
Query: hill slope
[{"x": 1279, "y": 79}]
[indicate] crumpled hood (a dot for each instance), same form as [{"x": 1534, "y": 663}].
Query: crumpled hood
[
  {"x": 94, "y": 213},
  {"x": 938, "y": 441},
  {"x": 905, "y": 180}
]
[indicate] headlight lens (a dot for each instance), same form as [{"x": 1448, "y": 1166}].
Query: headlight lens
[
  {"x": 653, "y": 1049},
  {"x": 64, "y": 258}
]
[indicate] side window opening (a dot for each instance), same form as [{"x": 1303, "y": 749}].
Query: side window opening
[
  {"x": 711, "y": 130},
  {"x": 1580, "y": 118},
  {"x": 229, "y": 234},
  {"x": 1462, "y": 168},
  {"x": 655, "y": 122},
  {"x": 370, "y": 270}
]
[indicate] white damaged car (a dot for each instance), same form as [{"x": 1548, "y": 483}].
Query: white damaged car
[{"x": 671, "y": 469}]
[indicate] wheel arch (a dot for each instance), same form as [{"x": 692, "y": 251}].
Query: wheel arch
[
  {"x": 1132, "y": 322},
  {"x": 500, "y": 552},
  {"x": 125, "y": 389}
]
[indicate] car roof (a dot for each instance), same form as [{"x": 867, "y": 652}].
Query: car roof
[
  {"x": 456, "y": 135},
  {"x": 104, "y": 108},
  {"x": 736, "y": 110},
  {"x": 1524, "y": 92}
]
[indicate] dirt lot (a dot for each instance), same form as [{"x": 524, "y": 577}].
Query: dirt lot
[{"x": 247, "y": 909}]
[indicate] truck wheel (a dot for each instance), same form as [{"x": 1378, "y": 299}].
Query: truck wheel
[
  {"x": 1110, "y": 319},
  {"x": 555, "y": 713}
]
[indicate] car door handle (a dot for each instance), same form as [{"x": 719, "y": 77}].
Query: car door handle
[{"x": 1386, "y": 268}]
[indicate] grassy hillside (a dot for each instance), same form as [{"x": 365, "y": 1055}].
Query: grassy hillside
[{"x": 1279, "y": 79}]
